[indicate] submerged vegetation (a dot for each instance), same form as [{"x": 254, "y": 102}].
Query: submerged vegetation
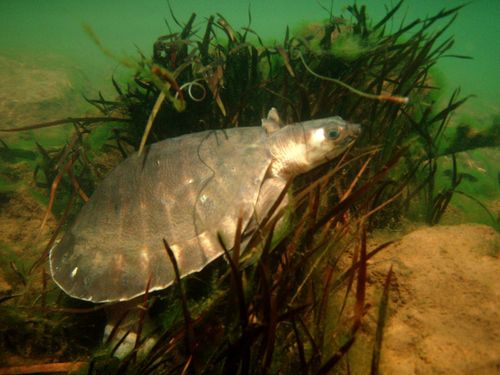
[{"x": 300, "y": 299}]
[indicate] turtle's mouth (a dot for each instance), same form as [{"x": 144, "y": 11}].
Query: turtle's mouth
[{"x": 346, "y": 141}]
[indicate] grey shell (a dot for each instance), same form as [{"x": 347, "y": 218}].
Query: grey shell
[{"x": 183, "y": 190}]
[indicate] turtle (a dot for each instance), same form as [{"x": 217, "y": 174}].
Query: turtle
[{"x": 189, "y": 191}]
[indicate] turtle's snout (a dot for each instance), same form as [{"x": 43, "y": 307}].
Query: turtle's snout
[{"x": 354, "y": 129}]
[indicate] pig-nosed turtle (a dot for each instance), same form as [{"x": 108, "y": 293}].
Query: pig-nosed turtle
[{"x": 185, "y": 190}]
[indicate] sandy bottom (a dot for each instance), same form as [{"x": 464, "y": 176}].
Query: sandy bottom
[
  {"x": 31, "y": 94},
  {"x": 445, "y": 301}
]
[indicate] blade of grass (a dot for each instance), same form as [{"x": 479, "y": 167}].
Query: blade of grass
[
  {"x": 188, "y": 327},
  {"x": 382, "y": 315}
]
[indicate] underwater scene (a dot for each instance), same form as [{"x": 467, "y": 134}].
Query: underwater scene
[{"x": 249, "y": 187}]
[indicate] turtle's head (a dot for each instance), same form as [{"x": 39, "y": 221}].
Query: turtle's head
[
  {"x": 327, "y": 138},
  {"x": 300, "y": 147}
]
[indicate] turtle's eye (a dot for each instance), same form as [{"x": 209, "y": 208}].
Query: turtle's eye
[{"x": 333, "y": 133}]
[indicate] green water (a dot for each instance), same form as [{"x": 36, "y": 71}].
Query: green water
[
  {"x": 46, "y": 27},
  {"x": 48, "y": 34}
]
